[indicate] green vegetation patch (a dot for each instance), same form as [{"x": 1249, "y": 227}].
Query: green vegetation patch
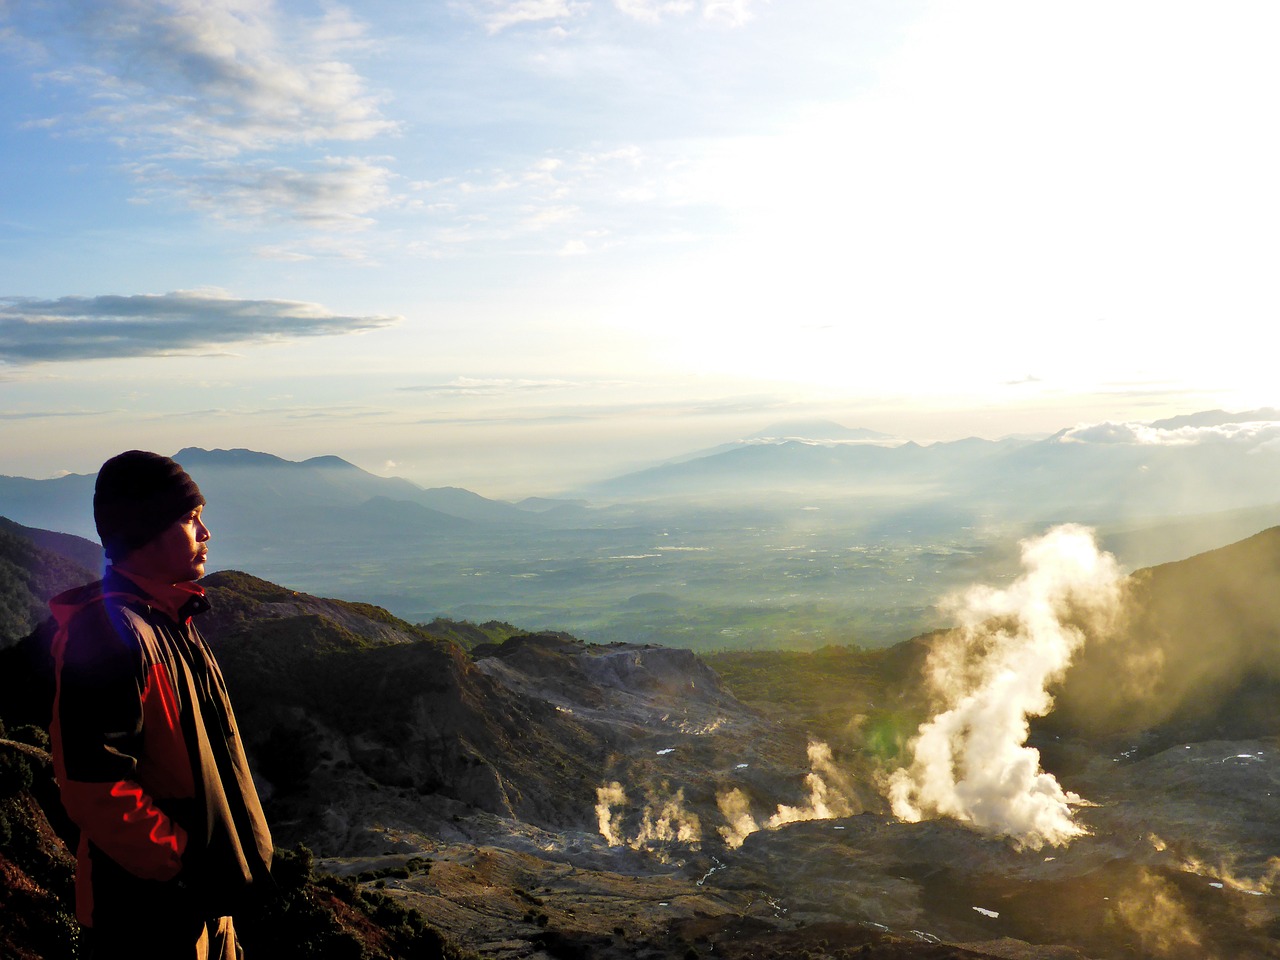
[
  {"x": 856, "y": 700},
  {"x": 470, "y": 635},
  {"x": 29, "y": 576}
]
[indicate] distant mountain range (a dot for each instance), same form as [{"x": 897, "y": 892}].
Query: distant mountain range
[
  {"x": 1200, "y": 463},
  {"x": 252, "y": 495},
  {"x": 823, "y": 432},
  {"x": 1100, "y": 474},
  {"x": 819, "y": 431},
  {"x": 805, "y": 532},
  {"x": 1218, "y": 418}
]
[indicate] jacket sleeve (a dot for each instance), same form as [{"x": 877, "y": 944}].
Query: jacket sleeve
[{"x": 97, "y": 739}]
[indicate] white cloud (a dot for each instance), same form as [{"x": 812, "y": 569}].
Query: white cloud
[
  {"x": 653, "y": 11},
  {"x": 151, "y": 325},
  {"x": 497, "y": 15},
  {"x": 188, "y": 89},
  {"x": 492, "y": 386},
  {"x": 1014, "y": 185},
  {"x": 202, "y": 79},
  {"x": 334, "y": 192},
  {"x": 570, "y": 203},
  {"x": 1255, "y": 434},
  {"x": 732, "y": 12}
]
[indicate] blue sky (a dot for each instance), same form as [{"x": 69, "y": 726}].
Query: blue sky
[{"x": 516, "y": 244}]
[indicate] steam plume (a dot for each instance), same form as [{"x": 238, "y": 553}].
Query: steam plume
[
  {"x": 739, "y": 823},
  {"x": 664, "y": 818},
  {"x": 830, "y": 796},
  {"x": 829, "y": 792},
  {"x": 1227, "y": 875},
  {"x": 990, "y": 675},
  {"x": 1154, "y": 911},
  {"x": 607, "y": 797}
]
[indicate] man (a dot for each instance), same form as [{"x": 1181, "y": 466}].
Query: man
[{"x": 145, "y": 745}]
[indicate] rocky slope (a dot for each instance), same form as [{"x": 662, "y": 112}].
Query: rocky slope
[
  {"x": 1196, "y": 657},
  {"x": 542, "y": 797}
]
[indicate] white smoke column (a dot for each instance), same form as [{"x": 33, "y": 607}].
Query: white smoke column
[
  {"x": 739, "y": 823},
  {"x": 607, "y": 797},
  {"x": 971, "y": 761},
  {"x": 665, "y": 819},
  {"x": 828, "y": 792},
  {"x": 830, "y": 796}
]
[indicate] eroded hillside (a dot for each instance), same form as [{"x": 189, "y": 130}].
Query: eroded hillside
[{"x": 542, "y": 797}]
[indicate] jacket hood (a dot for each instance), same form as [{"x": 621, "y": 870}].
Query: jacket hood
[
  {"x": 70, "y": 602},
  {"x": 176, "y": 600}
]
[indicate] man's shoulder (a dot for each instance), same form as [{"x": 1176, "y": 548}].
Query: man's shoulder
[
  {"x": 101, "y": 624},
  {"x": 71, "y": 601},
  {"x": 102, "y": 597}
]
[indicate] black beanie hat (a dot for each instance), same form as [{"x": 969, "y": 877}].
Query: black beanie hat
[{"x": 137, "y": 497}]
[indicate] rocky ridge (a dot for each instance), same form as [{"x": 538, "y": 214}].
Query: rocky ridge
[{"x": 542, "y": 797}]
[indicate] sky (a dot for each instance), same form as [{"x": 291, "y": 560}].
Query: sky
[{"x": 516, "y": 245}]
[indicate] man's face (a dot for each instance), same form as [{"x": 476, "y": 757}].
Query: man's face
[{"x": 177, "y": 555}]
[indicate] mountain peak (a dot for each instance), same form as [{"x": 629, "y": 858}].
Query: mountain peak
[
  {"x": 329, "y": 462},
  {"x": 817, "y": 430},
  {"x": 242, "y": 457},
  {"x": 1217, "y": 418},
  {"x": 238, "y": 457}
]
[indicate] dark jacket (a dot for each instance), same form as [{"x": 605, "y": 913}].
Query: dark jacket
[{"x": 149, "y": 760}]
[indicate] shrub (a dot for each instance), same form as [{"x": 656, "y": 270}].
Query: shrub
[{"x": 300, "y": 922}]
